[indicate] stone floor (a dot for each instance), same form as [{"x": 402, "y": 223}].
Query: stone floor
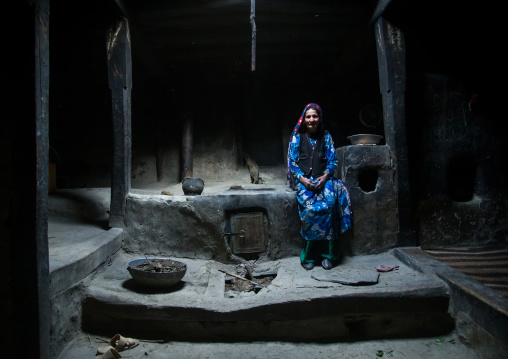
[
  {"x": 202, "y": 289},
  {"x": 296, "y": 305},
  {"x": 85, "y": 346}
]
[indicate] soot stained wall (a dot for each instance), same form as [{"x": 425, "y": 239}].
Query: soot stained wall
[
  {"x": 453, "y": 114},
  {"x": 232, "y": 109},
  {"x": 456, "y": 137}
]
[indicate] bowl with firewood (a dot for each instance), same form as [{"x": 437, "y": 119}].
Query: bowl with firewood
[{"x": 156, "y": 272}]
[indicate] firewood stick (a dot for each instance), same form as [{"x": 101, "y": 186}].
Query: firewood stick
[
  {"x": 141, "y": 340},
  {"x": 151, "y": 341},
  {"x": 237, "y": 276},
  {"x": 249, "y": 272}
]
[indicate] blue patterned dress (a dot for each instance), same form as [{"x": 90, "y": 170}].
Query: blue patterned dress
[{"x": 323, "y": 213}]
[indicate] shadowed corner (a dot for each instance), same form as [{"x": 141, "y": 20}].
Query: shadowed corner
[{"x": 134, "y": 286}]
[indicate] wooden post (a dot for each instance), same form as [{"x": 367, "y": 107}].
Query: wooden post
[
  {"x": 253, "y": 35},
  {"x": 159, "y": 158},
  {"x": 42, "y": 312},
  {"x": 187, "y": 142},
  {"x": 120, "y": 83},
  {"x": 392, "y": 78}
]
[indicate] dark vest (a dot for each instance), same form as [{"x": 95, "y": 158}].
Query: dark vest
[{"x": 312, "y": 161}]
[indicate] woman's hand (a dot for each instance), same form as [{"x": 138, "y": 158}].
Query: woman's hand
[
  {"x": 319, "y": 184},
  {"x": 316, "y": 185},
  {"x": 307, "y": 183}
]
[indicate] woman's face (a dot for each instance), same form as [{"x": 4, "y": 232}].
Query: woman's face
[{"x": 311, "y": 120}]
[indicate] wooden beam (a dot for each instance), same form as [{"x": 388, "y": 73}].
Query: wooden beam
[
  {"x": 120, "y": 82},
  {"x": 41, "y": 154},
  {"x": 187, "y": 142},
  {"x": 391, "y": 53},
  {"x": 253, "y": 36}
]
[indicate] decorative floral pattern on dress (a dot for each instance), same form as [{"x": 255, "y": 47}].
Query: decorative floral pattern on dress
[{"x": 326, "y": 213}]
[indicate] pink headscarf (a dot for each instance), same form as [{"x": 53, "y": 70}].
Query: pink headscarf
[{"x": 290, "y": 178}]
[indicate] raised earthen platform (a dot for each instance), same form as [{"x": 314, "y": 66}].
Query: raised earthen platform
[{"x": 297, "y": 305}]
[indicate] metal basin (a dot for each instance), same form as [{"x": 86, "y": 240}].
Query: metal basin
[
  {"x": 157, "y": 279},
  {"x": 365, "y": 139}
]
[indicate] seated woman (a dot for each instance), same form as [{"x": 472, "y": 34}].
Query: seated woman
[{"x": 323, "y": 201}]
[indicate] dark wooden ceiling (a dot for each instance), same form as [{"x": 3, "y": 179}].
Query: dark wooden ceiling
[{"x": 178, "y": 34}]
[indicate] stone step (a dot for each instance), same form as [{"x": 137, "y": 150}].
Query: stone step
[
  {"x": 471, "y": 300},
  {"x": 77, "y": 249},
  {"x": 296, "y": 305}
]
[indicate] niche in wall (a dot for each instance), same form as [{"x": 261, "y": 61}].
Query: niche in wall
[
  {"x": 460, "y": 178},
  {"x": 367, "y": 179}
]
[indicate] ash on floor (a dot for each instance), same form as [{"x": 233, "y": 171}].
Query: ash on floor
[{"x": 242, "y": 288}]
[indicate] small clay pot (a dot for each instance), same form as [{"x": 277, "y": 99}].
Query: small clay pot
[{"x": 192, "y": 186}]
